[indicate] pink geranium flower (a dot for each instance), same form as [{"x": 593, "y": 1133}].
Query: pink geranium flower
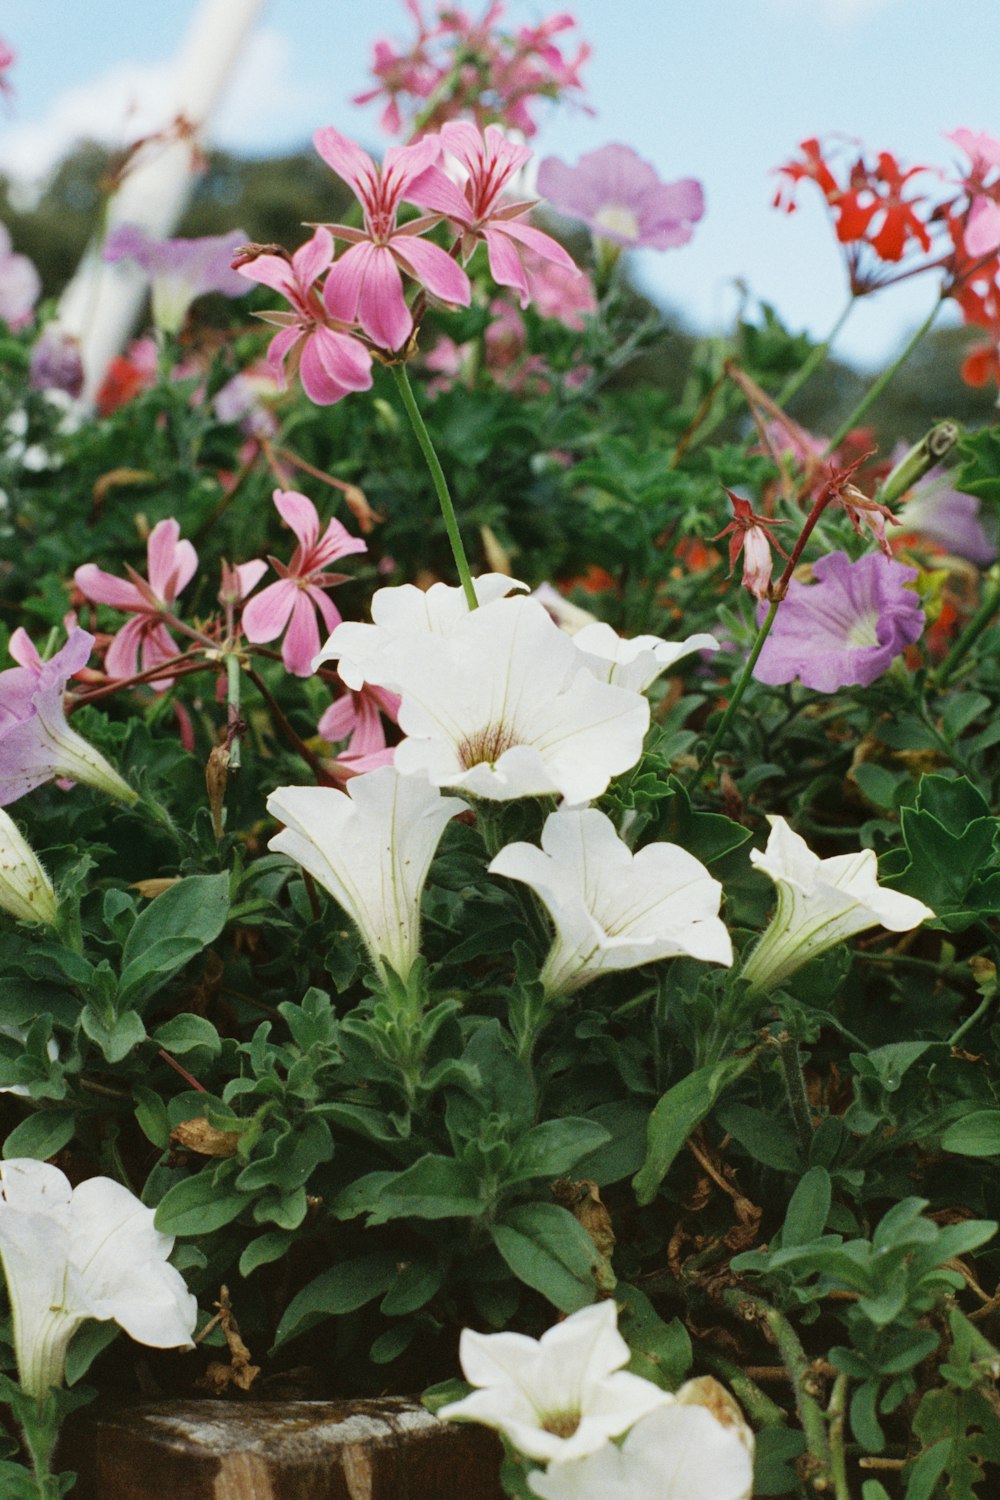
[
  {"x": 982, "y": 231},
  {"x": 357, "y": 718},
  {"x": 298, "y": 594},
  {"x": 491, "y": 161},
  {"x": 330, "y": 362},
  {"x": 171, "y": 566},
  {"x": 365, "y": 286}
]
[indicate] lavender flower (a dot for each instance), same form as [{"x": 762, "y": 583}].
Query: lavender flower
[
  {"x": 36, "y": 743},
  {"x": 179, "y": 270},
  {"x": 20, "y": 284},
  {"x": 56, "y": 364},
  {"x": 844, "y": 629},
  {"x": 951, "y": 517},
  {"x": 621, "y": 198}
]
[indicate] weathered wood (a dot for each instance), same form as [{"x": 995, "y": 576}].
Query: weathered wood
[{"x": 390, "y": 1449}]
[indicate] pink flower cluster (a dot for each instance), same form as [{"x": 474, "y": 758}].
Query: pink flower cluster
[
  {"x": 343, "y": 307},
  {"x": 144, "y": 644},
  {"x": 458, "y": 66}
]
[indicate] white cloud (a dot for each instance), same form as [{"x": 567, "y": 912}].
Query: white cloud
[{"x": 129, "y": 100}]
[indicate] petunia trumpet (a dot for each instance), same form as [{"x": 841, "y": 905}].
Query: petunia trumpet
[
  {"x": 87, "y": 1252},
  {"x": 821, "y": 902},
  {"x": 613, "y": 909}
]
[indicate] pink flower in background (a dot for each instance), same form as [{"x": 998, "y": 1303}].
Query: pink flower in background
[
  {"x": 982, "y": 229},
  {"x": 559, "y": 292},
  {"x": 357, "y": 718},
  {"x": 242, "y": 399},
  {"x": 8, "y": 57},
  {"x": 298, "y": 594},
  {"x": 20, "y": 284},
  {"x": 477, "y": 210},
  {"x": 179, "y": 270},
  {"x": 330, "y": 362},
  {"x": 621, "y": 198},
  {"x": 171, "y": 566},
  {"x": 365, "y": 286},
  {"x": 845, "y": 629}
]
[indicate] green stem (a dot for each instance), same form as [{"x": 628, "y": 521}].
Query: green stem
[
  {"x": 970, "y": 635},
  {"x": 438, "y": 480},
  {"x": 971, "y": 1021},
  {"x": 233, "y": 709},
  {"x": 835, "y": 1413},
  {"x": 742, "y": 683},
  {"x": 815, "y": 358},
  {"x": 762, "y": 1411},
  {"x": 795, "y": 1088},
  {"x": 887, "y": 375},
  {"x": 793, "y": 1356}
]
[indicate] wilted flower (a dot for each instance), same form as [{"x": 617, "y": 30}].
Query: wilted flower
[
  {"x": 696, "y": 1447},
  {"x": 561, "y": 1396},
  {"x": 370, "y": 653},
  {"x": 750, "y": 534},
  {"x": 25, "y": 889},
  {"x": 844, "y": 629},
  {"x": 371, "y": 847},
  {"x": 613, "y": 909},
  {"x": 20, "y": 284},
  {"x": 300, "y": 592},
  {"x": 171, "y": 565},
  {"x": 821, "y": 902},
  {"x": 634, "y": 663},
  {"x": 87, "y": 1252},
  {"x": 36, "y": 743},
  {"x": 503, "y": 707},
  {"x": 179, "y": 270},
  {"x": 364, "y": 286},
  {"x": 621, "y": 198}
]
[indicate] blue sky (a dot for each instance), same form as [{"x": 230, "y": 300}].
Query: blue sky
[{"x": 717, "y": 89}]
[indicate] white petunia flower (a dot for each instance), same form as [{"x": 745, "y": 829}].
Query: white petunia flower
[
  {"x": 558, "y": 1397},
  {"x": 696, "y": 1448},
  {"x": 366, "y": 653},
  {"x": 613, "y": 909},
  {"x": 637, "y": 662},
  {"x": 370, "y": 847},
  {"x": 88, "y": 1252},
  {"x": 25, "y": 889},
  {"x": 821, "y": 902},
  {"x": 503, "y": 707}
]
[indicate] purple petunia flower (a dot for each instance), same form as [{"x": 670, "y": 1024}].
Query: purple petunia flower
[
  {"x": 951, "y": 517},
  {"x": 179, "y": 270},
  {"x": 846, "y": 628},
  {"x": 20, "y": 283},
  {"x": 36, "y": 743},
  {"x": 620, "y": 197}
]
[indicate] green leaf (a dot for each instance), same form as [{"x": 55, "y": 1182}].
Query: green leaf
[
  {"x": 679, "y": 1112},
  {"x": 341, "y": 1289},
  {"x": 184, "y": 1032},
  {"x": 775, "y": 1452},
  {"x": 151, "y": 1116},
  {"x": 435, "y": 1187},
  {"x": 41, "y": 1135},
  {"x": 172, "y": 929},
  {"x": 116, "y": 1036},
  {"x": 549, "y": 1250},
  {"x": 265, "y": 1249},
  {"x": 763, "y": 1135},
  {"x": 87, "y": 1343},
  {"x": 198, "y": 1205},
  {"x": 977, "y": 1134},
  {"x": 708, "y": 836},
  {"x": 661, "y": 1352},
  {"x": 808, "y": 1207},
  {"x": 551, "y": 1149},
  {"x": 413, "y": 1287}
]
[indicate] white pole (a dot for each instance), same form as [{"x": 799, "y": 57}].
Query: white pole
[{"x": 101, "y": 304}]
